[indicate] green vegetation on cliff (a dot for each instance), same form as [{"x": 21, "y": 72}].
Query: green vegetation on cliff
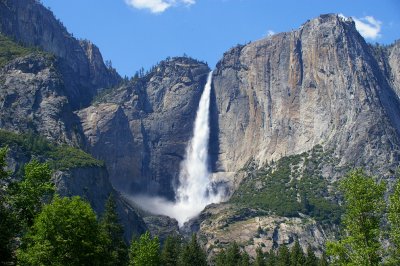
[
  {"x": 10, "y": 50},
  {"x": 292, "y": 185},
  {"x": 60, "y": 157}
]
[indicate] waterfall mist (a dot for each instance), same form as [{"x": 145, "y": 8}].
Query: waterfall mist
[{"x": 196, "y": 189}]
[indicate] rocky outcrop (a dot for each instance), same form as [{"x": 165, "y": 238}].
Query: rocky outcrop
[
  {"x": 92, "y": 184},
  {"x": 394, "y": 63},
  {"x": 226, "y": 223},
  {"x": 319, "y": 84},
  {"x": 141, "y": 129},
  {"x": 162, "y": 226},
  {"x": 32, "y": 99},
  {"x": 80, "y": 63}
]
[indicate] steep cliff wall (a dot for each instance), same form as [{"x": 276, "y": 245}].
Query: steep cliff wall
[
  {"x": 80, "y": 63},
  {"x": 32, "y": 99},
  {"x": 319, "y": 84},
  {"x": 141, "y": 129}
]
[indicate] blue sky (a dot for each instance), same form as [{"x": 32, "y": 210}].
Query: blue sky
[{"x": 140, "y": 33}]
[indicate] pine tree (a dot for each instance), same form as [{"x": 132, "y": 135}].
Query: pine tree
[
  {"x": 271, "y": 258},
  {"x": 233, "y": 256},
  {"x": 364, "y": 205},
  {"x": 394, "y": 221},
  {"x": 192, "y": 254},
  {"x": 115, "y": 248},
  {"x": 260, "y": 259},
  {"x": 8, "y": 222},
  {"x": 283, "y": 256},
  {"x": 220, "y": 259},
  {"x": 170, "y": 251},
  {"x": 245, "y": 261},
  {"x": 297, "y": 255},
  {"x": 145, "y": 251},
  {"x": 311, "y": 259}
]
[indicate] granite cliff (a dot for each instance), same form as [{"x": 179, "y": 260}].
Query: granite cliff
[{"x": 290, "y": 114}]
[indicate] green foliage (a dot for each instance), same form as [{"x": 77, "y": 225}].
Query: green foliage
[
  {"x": 8, "y": 230},
  {"x": 297, "y": 257},
  {"x": 283, "y": 257},
  {"x": 9, "y": 50},
  {"x": 64, "y": 233},
  {"x": 170, "y": 252},
  {"x": 364, "y": 206},
  {"x": 145, "y": 251},
  {"x": 394, "y": 221},
  {"x": 260, "y": 258},
  {"x": 311, "y": 259},
  {"x": 116, "y": 250},
  {"x": 28, "y": 195},
  {"x": 60, "y": 157},
  {"x": 271, "y": 258},
  {"x": 245, "y": 260},
  {"x": 8, "y": 220},
  {"x": 66, "y": 157},
  {"x": 220, "y": 259},
  {"x": 192, "y": 254},
  {"x": 233, "y": 256},
  {"x": 290, "y": 186}
]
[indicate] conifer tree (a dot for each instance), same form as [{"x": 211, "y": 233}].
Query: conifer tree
[
  {"x": 311, "y": 259},
  {"x": 7, "y": 219},
  {"x": 283, "y": 256},
  {"x": 170, "y": 251},
  {"x": 233, "y": 256},
  {"x": 271, "y": 258},
  {"x": 192, "y": 254},
  {"x": 220, "y": 259},
  {"x": 297, "y": 255},
  {"x": 245, "y": 260},
  {"x": 115, "y": 247},
  {"x": 260, "y": 259},
  {"x": 394, "y": 221}
]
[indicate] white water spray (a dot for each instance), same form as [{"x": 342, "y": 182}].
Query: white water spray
[{"x": 195, "y": 190}]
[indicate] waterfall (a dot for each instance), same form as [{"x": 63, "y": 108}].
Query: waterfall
[{"x": 195, "y": 190}]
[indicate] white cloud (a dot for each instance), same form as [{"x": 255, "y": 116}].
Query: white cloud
[
  {"x": 369, "y": 27},
  {"x": 270, "y": 33},
  {"x": 157, "y": 6}
]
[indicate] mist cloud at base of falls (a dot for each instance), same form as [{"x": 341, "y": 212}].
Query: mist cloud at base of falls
[{"x": 196, "y": 189}]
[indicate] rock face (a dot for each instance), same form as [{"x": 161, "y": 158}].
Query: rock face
[
  {"x": 224, "y": 224},
  {"x": 320, "y": 84},
  {"x": 92, "y": 184},
  {"x": 32, "y": 98},
  {"x": 80, "y": 63},
  {"x": 141, "y": 129}
]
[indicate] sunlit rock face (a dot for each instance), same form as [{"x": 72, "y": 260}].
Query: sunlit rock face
[
  {"x": 320, "y": 84},
  {"x": 141, "y": 129}
]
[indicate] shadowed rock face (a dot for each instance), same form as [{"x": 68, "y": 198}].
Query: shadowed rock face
[
  {"x": 80, "y": 63},
  {"x": 289, "y": 92},
  {"x": 32, "y": 99},
  {"x": 141, "y": 129}
]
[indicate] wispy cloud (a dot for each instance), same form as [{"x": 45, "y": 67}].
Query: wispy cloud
[
  {"x": 270, "y": 33},
  {"x": 157, "y": 6},
  {"x": 369, "y": 27}
]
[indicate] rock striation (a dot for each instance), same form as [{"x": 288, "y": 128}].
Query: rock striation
[
  {"x": 141, "y": 128},
  {"x": 320, "y": 84},
  {"x": 80, "y": 62}
]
